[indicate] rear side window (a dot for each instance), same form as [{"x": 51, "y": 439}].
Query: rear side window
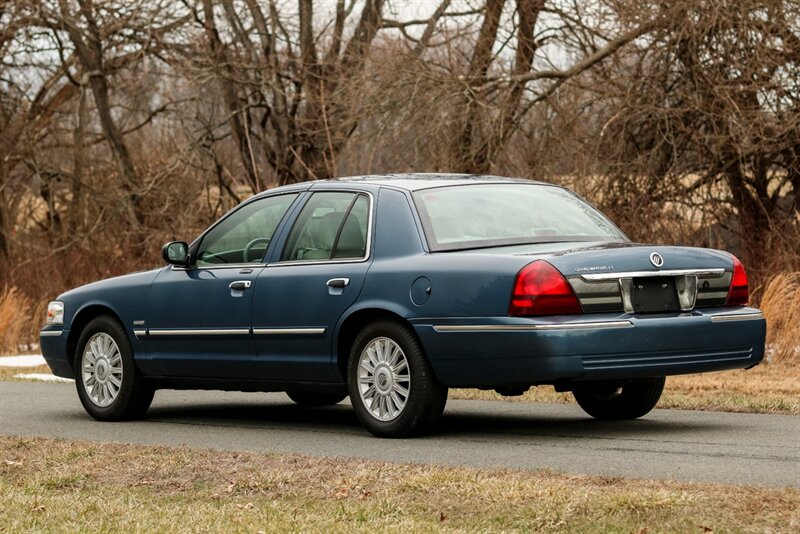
[{"x": 332, "y": 225}]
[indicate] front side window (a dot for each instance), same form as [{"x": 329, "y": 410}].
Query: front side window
[
  {"x": 487, "y": 215},
  {"x": 332, "y": 225},
  {"x": 243, "y": 236}
]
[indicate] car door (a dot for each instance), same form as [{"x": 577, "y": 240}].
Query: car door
[
  {"x": 318, "y": 274},
  {"x": 199, "y": 317}
]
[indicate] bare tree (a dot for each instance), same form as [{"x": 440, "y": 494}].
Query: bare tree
[
  {"x": 708, "y": 111},
  {"x": 287, "y": 98}
]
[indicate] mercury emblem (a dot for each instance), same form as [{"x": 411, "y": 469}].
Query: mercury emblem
[{"x": 656, "y": 260}]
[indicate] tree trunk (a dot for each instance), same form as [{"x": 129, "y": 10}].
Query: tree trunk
[
  {"x": 235, "y": 113},
  {"x": 467, "y": 157}
]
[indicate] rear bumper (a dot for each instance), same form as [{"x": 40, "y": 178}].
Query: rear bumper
[{"x": 506, "y": 351}]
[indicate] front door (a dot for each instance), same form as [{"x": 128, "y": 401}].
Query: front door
[
  {"x": 199, "y": 317},
  {"x": 298, "y": 299}
]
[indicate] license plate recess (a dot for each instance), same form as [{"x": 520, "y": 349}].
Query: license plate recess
[{"x": 654, "y": 295}]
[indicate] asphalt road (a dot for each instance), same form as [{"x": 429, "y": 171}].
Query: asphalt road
[{"x": 667, "y": 444}]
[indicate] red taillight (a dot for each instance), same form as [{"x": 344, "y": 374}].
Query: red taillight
[
  {"x": 541, "y": 290},
  {"x": 739, "y": 293}
]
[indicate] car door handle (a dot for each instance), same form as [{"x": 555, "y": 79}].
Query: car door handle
[
  {"x": 338, "y": 283},
  {"x": 239, "y": 285}
]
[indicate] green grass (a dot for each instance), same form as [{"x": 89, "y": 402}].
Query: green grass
[{"x": 69, "y": 486}]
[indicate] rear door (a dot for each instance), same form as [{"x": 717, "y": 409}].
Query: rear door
[
  {"x": 199, "y": 317},
  {"x": 317, "y": 275}
]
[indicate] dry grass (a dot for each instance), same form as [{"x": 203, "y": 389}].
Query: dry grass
[
  {"x": 70, "y": 486},
  {"x": 781, "y": 305},
  {"x": 767, "y": 388},
  {"x": 15, "y": 319}
]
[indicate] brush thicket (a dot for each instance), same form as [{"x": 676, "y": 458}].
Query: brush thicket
[
  {"x": 780, "y": 303},
  {"x": 15, "y": 318}
]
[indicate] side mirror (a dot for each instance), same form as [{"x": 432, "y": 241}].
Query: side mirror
[{"x": 176, "y": 253}]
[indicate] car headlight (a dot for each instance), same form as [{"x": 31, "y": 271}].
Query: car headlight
[{"x": 55, "y": 312}]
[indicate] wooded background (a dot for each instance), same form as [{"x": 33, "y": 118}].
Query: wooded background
[{"x": 127, "y": 123}]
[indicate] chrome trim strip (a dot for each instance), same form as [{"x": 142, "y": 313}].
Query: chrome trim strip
[
  {"x": 140, "y": 333},
  {"x": 596, "y": 277},
  {"x": 530, "y": 327},
  {"x": 600, "y": 300},
  {"x": 288, "y": 331},
  {"x": 686, "y": 286},
  {"x": 50, "y": 333},
  {"x": 712, "y": 295},
  {"x": 201, "y": 332},
  {"x": 721, "y": 318},
  {"x": 626, "y": 289}
]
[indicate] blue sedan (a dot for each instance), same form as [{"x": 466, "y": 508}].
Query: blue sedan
[{"x": 392, "y": 289}]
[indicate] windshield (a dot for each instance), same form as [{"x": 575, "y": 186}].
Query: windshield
[{"x": 486, "y": 215}]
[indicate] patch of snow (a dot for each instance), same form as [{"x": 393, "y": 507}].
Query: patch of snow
[
  {"x": 44, "y": 377},
  {"x": 29, "y": 360}
]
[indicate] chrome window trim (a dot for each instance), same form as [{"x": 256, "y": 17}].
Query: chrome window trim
[
  {"x": 531, "y": 327},
  {"x": 288, "y": 331},
  {"x": 223, "y": 266},
  {"x": 597, "y": 277},
  {"x": 199, "y": 332},
  {"x": 725, "y": 317},
  {"x": 50, "y": 333},
  {"x": 370, "y": 224}
]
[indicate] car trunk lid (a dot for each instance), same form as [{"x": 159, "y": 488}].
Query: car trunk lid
[{"x": 636, "y": 278}]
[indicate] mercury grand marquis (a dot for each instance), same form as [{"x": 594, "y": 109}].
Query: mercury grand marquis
[{"x": 392, "y": 289}]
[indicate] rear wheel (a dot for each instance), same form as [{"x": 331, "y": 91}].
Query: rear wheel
[
  {"x": 109, "y": 385},
  {"x": 610, "y": 401},
  {"x": 306, "y": 398},
  {"x": 392, "y": 386}
]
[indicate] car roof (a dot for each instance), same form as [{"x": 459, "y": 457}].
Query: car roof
[{"x": 410, "y": 181}]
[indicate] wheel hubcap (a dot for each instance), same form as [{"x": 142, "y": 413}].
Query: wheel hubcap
[
  {"x": 101, "y": 369},
  {"x": 384, "y": 381}
]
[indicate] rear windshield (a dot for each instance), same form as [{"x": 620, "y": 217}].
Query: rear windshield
[{"x": 487, "y": 215}]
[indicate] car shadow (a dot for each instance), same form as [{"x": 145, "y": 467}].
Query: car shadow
[{"x": 462, "y": 422}]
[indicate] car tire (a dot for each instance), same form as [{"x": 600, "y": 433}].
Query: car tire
[
  {"x": 109, "y": 385},
  {"x": 309, "y": 398},
  {"x": 385, "y": 410},
  {"x": 609, "y": 401}
]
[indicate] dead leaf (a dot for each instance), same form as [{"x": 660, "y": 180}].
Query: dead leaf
[
  {"x": 343, "y": 493},
  {"x": 706, "y": 529},
  {"x": 12, "y": 462},
  {"x": 442, "y": 517}
]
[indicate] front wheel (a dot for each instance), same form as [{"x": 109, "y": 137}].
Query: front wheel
[
  {"x": 610, "y": 401},
  {"x": 392, "y": 386},
  {"x": 109, "y": 385}
]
